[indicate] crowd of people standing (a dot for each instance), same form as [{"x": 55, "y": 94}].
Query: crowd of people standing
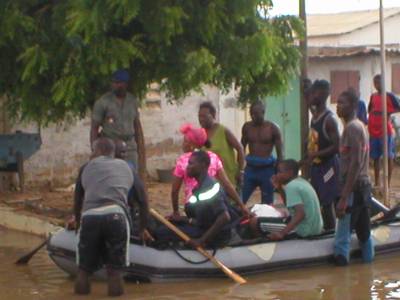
[{"x": 218, "y": 179}]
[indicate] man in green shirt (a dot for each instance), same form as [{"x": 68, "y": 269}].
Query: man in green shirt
[
  {"x": 301, "y": 201},
  {"x": 115, "y": 115}
]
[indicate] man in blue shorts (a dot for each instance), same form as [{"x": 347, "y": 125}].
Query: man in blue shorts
[
  {"x": 375, "y": 128},
  {"x": 261, "y": 136}
]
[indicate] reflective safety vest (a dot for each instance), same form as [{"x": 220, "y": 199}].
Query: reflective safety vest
[{"x": 205, "y": 195}]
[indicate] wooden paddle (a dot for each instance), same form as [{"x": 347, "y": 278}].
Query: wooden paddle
[
  {"x": 23, "y": 260},
  {"x": 236, "y": 277}
]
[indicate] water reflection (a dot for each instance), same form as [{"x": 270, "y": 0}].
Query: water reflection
[{"x": 41, "y": 279}]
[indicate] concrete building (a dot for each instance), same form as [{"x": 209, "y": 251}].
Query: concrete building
[{"x": 344, "y": 49}]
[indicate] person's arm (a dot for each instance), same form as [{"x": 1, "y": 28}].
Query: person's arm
[
  {"x": 176, "y": 186},
  {"x": 139, "y": 138},
  {"x": 97, "y": 119},
  {"x": 277, "y": 141},
  {"x": 395, "y": 103},
  {"x": 140, "y": 196},
  {"x": 79, "y": 195},
  {"x": 244, "y": 139},
  {"x": 234, "y": 143},
  {"x": 94, "y": 132},
  {"x": 370, "y": 104},
  {"x": 230, "y": 191},
  {"x": 332, "y": 131},
  {"x": 222, "y": 219},
  {"x": 296, "y": 219}
]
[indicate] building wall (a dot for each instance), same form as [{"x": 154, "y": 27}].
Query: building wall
[
  {"x": 66, "y": 147},
  {"x": 368, "y": 66},
  {"x": 368, "y": 35}
]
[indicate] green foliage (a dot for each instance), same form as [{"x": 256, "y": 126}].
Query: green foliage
[{"x": 57, "y": 56}]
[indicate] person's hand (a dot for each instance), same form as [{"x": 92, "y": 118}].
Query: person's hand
[
  {"x": 275, "y": 182},
  {"x": 146, "y": 236},
  {"x": 245, "y": 211},
  {"x": 341, "y": 208},
  {"x": 276, "y": 236},
  {"x": 310, "y": 157},
  {"x": 70, "y": 224},
  {"x": 175, "y": 217},
  {"x": 195, "y": 243}
]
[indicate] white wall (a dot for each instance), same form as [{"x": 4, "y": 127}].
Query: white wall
[
  {"x": 368, "y": 35},
  {"x": 66, "y": 147}
]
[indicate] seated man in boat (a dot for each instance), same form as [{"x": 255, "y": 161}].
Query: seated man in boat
[
  {"x": 101, "y": 207},
  {"x": 301, "y": 201},
  {"x": 208, "y": 218}
]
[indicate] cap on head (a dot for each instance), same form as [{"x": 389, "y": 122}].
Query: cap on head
[{"x": 121, "y": 75}]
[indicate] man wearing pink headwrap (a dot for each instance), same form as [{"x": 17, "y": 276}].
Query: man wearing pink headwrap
[{"x": 195, "y": 138}]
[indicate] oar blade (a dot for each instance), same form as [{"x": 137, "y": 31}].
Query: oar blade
[{"x": 23, "y": 260}]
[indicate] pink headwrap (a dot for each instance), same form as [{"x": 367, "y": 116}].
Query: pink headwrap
[{"x": 195, "y": 135}]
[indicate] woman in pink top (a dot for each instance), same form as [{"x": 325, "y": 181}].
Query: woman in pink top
[{"x": 195, "y": 138}]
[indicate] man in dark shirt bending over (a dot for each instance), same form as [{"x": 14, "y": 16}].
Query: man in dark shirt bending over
[
  {"x": 101, "y": 208},
  {"x": 207, "y": 221}
]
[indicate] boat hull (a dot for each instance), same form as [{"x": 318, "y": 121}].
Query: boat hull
[{"x": 155, "y": 265}]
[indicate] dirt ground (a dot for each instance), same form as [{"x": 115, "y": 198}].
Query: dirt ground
[{"x": 56, "y": 204}]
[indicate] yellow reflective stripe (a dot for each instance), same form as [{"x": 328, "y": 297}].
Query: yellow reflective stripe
[{"x": 210, "y": 193}]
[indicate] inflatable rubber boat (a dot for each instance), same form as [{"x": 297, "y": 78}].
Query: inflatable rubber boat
[{"x": 151, "y": 264}]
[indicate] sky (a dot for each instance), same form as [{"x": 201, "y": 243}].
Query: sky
[{"x": 328, "y": 6}]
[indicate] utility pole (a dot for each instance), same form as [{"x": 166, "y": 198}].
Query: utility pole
[
  {"x": 303, "y": 75},
  {"x": 384, "y": 107}
]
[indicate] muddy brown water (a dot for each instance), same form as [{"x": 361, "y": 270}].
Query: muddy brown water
[{"x": 41, "y": 279}]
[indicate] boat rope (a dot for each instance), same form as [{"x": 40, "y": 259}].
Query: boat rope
[{"x": 191, "y": 261}]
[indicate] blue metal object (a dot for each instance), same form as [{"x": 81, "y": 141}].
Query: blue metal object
[{"x": 17, "y": 146}]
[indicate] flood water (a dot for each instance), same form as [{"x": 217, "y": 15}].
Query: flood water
[{"x": 41, "y": 279}]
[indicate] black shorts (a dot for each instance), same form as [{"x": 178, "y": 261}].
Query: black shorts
[{"x": 103, "y": 240}]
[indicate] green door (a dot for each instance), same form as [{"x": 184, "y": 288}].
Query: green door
[{"x": 284, "y": 110}]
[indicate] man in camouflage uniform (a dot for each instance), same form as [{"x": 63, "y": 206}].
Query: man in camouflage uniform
[{"x": 115, "y": 115}]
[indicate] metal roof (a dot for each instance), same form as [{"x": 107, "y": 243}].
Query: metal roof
[
  {"x": 340, "y": 23},
  {"x": 323, "y": 52}
]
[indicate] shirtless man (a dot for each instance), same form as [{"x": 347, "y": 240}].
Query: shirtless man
[{"x": 261, "y": 136}]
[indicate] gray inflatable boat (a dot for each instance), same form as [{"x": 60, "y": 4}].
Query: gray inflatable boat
[{"x": 173, "y": 264}]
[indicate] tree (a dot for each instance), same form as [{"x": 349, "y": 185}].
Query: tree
[{"x": 57, "y": 56}]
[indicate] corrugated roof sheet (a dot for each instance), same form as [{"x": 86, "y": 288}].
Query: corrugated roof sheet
[
  {"x": 339, "y": 23},
  {"x": 323, "y": 52}
]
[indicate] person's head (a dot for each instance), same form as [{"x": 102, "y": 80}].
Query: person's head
[
  {"x": 198, "y": 164},
  {"x": 193, "y": 138},
  {"x": 354, "y": 91},
  {"x": 320, "y": 91},
  {"x": 103, "y": 147},
  {"x": 347, "y": 105},
  {"x": 120, "y": 149},
  {"x": 287, "y": 170},
  {"x": 207, "y": 113},
  {"x": 119, "y": 82},
  {"x": 257, "y": 111},
  {"x": 378, "y": 82}
]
